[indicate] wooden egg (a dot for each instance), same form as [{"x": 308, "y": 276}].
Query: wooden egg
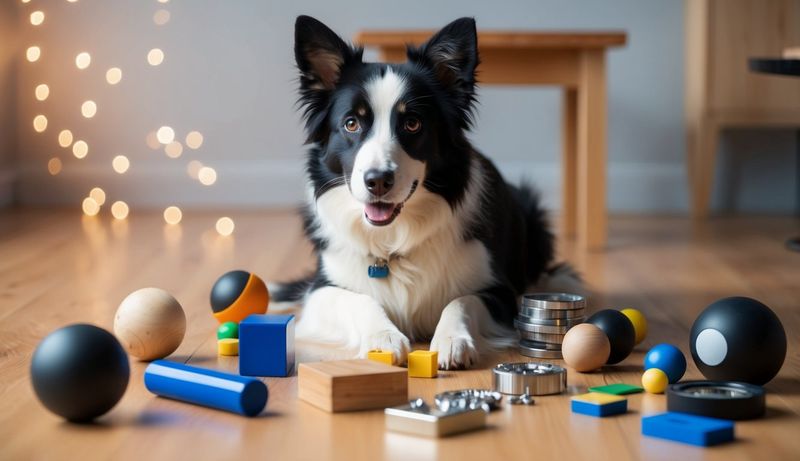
[
  {"x": 585, "y": 347},
  {"x": 150, "y": 324}
]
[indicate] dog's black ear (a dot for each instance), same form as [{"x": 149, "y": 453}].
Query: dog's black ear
[
  {"x": 320, "y": 54},
  {"x": 452, "y": 54}
]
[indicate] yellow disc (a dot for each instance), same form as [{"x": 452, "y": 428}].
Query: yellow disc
[
  {"x": 228, "y": 346},
  {"x": 639, "y": 323},
  {"x": 655, "y": 381}
]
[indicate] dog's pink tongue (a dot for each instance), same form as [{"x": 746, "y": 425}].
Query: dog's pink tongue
[{"x": 378, "y": 211}]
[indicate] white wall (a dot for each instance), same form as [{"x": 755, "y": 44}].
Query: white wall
[{"x": 229, "y": 73}]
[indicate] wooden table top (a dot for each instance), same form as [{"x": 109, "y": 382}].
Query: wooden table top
[
  {"x": 505, "y": 39},
  {"x": 58, "y": 267}
]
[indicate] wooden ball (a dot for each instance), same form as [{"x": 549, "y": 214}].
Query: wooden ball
[
  {"x": 150, "y": 324},
  {"x": 585, "y": 347}
]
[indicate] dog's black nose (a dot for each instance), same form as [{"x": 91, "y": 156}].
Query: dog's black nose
[{"x": 379, "y": 182}]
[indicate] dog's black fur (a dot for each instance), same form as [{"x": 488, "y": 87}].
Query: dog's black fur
[{"x": 441, "y": 77}]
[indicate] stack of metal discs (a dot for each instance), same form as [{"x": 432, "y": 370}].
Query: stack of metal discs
[{"x": 544, "y": 319}]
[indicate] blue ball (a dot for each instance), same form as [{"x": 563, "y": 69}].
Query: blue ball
[{"x": 668, "y": 359}]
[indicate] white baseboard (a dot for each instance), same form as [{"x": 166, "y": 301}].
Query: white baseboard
[{"x": 632, "y": 187}]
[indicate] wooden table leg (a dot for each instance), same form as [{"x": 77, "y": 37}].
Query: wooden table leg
[
  {"x": 569, "y": 174},
  {"x": 591, "y": 158}
]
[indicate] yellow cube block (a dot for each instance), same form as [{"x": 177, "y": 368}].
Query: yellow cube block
[
  {"x": 380, "y": 356},
  {"x": 423, "y": 364},
  {"x": 228, "y": 346}
]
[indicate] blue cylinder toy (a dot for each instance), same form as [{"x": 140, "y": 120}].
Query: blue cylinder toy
[
  {"x": 668, "y": 359},
  {"x": 211, "y": 388}
]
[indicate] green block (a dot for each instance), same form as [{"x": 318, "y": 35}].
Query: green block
[
  {"x": 617, "y": 389},
  {"x": 228, "y": 330}
]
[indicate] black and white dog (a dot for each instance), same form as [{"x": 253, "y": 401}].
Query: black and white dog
[{"x": 418, "y": 236}]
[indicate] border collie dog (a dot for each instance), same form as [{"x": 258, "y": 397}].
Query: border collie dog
[{"x": 418, "y": 236}]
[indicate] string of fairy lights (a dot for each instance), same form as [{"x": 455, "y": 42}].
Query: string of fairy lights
[{"x": 163, "y": 137}]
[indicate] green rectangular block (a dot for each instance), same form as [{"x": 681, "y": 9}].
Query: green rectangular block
[{"x": 617, "y": 389}]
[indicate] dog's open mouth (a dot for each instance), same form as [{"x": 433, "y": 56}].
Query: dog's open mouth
[{"x": 382, "y": 213}]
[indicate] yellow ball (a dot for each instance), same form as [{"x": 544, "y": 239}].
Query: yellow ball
[
  {"x": 639, "y": 323},
  {"x": 655, "y": 381}
]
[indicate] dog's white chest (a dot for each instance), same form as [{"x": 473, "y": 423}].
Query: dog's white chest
[{"x": 419, "y": 284}]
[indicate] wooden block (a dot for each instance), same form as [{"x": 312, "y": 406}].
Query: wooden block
[
  {"x": 423, "y": 364},
  {"x": 380, "y": 356},
  {"x": 350, "y": 385}
]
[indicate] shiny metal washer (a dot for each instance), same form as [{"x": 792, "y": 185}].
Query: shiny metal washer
[
  {"x": 529, "y": 378},
  {"x": 551, "y": 322},
  {"x": 554, "y": 301},
  {"x": 544, "y": 345},
  {"x": 541, "y": 337},
  {"x": 538, "y": 313},
  {"x": 529, "y": 351},
  {"x": 534, "y": 328}
]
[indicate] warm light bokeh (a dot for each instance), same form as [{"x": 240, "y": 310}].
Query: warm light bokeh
[
  {"x": 54, "y": 166},
  {"x": 113, "y": 75},
  {"x": 119, "y": 209},
  {"x": 207, "y": 175},
  {"x": 194, "y": 140},
  {"x": 173, "y": 215},
  {"x": 40, "y": 123},
  {"x": 82, "y": 60},
  {"x": 88, "y": 109},
  {"x": 65, "y": 138},
  {"x": 42, "y": 91},
  {"x": 98, "y": 195},
  {"x": 165, "y": 135},
  {"x": 155, "y": 57},
  {"x": 80, "y": 149},
  {"x": 120, "y": 164},
  {"x": 225, "y": 226}
]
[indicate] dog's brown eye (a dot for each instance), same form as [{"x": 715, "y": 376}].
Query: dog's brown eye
[
  {"x": 412, "y": 125},
  {"x": 351, "y": 125}
]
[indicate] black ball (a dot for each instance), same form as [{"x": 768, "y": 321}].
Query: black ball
[
  {"x": 619, "y": 329},
  {"x": 738, "y": 339},
  {"x": 79, "y": 372}
]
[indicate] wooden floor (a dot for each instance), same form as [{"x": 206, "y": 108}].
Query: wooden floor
[{"x": 57, "y": 267}]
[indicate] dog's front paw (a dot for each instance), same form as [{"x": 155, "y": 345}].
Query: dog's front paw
[
  {"x": 455, "y": 351},
  {"x": 387, "y": 340}
]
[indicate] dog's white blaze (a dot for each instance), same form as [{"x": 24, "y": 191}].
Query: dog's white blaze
[
  {"x": 435, "y": 265},
  {"x": 381, "y": 150}
]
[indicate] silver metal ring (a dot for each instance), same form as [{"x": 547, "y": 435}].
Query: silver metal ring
[
  {"x": 529, "y": 350},
  {"x": 533, "y": 328},
  {"x": 529, "y": 378},
  {"x": 551, "y": 322},
  {"x": 541, "y": 337},
  {"x": 464, "y": 399},
  {"x": 543, "y": 345},
  {"x": 538, "y": 313},
  {"x": 554, "y": 301}
]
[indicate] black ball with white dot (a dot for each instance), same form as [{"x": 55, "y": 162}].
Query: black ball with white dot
[{"x": 738, "y": 339}]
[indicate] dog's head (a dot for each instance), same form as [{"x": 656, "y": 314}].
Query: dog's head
[{"x": 387, "y": 129}]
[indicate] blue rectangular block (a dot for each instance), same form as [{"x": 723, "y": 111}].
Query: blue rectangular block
[
  {"x": 691, "y": 429},
  {"x": 608, "y": 409},
  {"x": 266, "y": 345}
]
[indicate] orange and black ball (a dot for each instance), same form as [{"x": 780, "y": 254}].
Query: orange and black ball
[{"x": 238, "y": 294}]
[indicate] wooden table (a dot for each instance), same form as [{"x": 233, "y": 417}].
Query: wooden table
[{"x": 575, "y": 61}]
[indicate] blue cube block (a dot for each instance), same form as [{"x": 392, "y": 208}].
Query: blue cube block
[
  {"x": 266, "y": 345},
  {"x": 691, "y": 429}
]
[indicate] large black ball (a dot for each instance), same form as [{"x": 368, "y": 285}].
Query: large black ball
[
  {"x": 79, "y": 372},
  {"x": 738, "y": 339},
  {"x": 619, "y": 329}
]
